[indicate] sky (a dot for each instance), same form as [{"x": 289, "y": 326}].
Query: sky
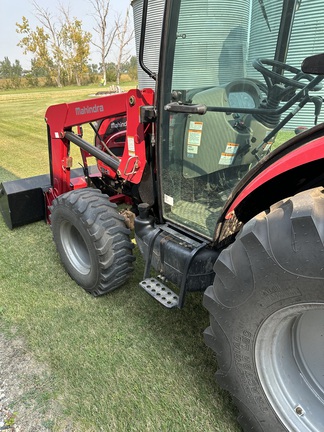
[{"x": 12, "y": 11}]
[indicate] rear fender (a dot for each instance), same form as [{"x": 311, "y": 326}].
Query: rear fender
[{"x": 295, "y": 166}]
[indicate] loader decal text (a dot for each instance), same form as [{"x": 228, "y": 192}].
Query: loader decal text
[{"x": 89, "y": 109}]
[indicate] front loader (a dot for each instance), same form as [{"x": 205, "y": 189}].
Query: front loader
[{"x": 221, "y": 201}]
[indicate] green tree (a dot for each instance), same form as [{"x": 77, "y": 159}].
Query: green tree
[
  {"x": 46, "y": 51},
  {"x": 131, "y": 67},
  {"x": 12, "y": 72},
  {"x": 111, "y": 72},
  {"x": 60, "y": 46},
  {"x": 93, "y": 73},
  {"x": 5, "y": 68},
  {"x": 93, "y": 68},
  {"x": 16, "y": 74},
  {"x": 76, "y": 49},
  {"x": 36, "y": 70}
]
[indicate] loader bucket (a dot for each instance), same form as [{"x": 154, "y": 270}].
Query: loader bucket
[{"x": 22, "y": 201}]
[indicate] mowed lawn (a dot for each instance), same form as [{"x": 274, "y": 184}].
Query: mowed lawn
[{"x": 121, "y": 362}]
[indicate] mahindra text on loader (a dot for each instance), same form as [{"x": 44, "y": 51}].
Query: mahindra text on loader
[{"x": 221, "y": 204}]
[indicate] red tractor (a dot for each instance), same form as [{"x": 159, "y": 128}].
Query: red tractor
[{"x": 222, "y": 203}]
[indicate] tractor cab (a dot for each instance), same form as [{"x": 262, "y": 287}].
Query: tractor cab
[{"x": 230, "y": 88}]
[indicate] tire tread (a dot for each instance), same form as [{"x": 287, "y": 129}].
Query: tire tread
[{"x": 108, "y": 231}]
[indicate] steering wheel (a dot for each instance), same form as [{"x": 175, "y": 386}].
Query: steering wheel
[{"x": 271, "y": 77}]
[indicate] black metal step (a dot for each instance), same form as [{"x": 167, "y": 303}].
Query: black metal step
[{"x": 160, "y": 292}]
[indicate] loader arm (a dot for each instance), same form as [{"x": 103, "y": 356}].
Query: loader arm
[{"x": 62, "y": 118}]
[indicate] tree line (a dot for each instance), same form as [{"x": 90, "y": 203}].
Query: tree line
[
  {"x": 60, "y": 48},
  {"x": 13, "y": 75}
]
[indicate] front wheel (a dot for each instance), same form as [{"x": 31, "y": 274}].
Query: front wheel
[
  {"x": 92, "y": 240},
  {"x": 267, "y": 317}
]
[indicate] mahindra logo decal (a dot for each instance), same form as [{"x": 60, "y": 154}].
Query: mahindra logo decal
[
  {"x": 119, "y": 124},
  {"x": 89, "y": 109}
]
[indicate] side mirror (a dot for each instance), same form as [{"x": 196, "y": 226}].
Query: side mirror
[{"x": 313, "y": 64}]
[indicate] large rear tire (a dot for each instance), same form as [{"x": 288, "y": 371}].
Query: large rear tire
[
  {"x": 267, "y": 317},
  {"x": 92, "y": 240}
]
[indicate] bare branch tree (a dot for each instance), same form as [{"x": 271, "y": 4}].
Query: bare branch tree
[
  {"x": 106, "y": 34},
  {"x": 124, "y": 37}
]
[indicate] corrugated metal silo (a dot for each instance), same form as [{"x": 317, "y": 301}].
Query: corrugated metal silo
[
  {"x": 152, "y": 38},
  {"x": 200, "y": 44},
  {"x": 209, "y": 38},
  {"x": 203, "y": 44},
  {"x": 306, "y": 37}
]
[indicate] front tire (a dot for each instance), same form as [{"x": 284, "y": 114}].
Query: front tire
[
  {"x": 92, "y": 240},
  {"x": 267, "y": 317}
]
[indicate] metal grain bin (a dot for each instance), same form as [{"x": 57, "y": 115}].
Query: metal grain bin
[
  {"x": 306, "y": 39},
  {"x": 198, "y": 39},
  {"x": 209, "y": 39},
  {"x": 152, "y": 38},
  {"x": 239, "y": 33}
]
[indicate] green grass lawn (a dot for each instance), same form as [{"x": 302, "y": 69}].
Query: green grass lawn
[{"x": 121, "y": 362}]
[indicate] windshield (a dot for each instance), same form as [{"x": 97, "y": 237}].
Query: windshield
[{"x": 241, "y": 60}]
